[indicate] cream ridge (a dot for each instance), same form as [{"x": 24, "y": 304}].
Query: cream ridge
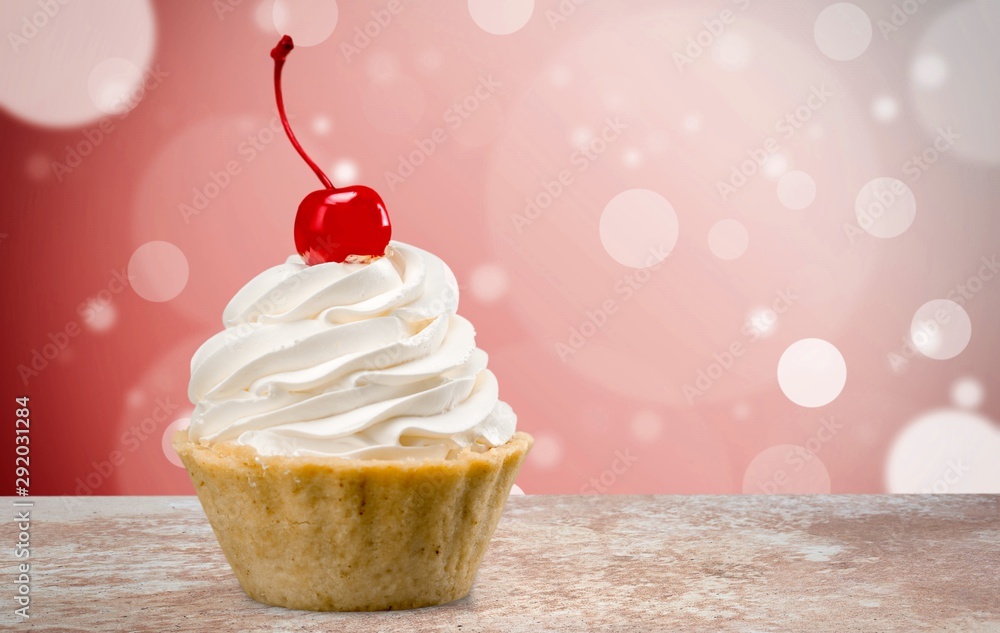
[{"x": 356, "y": 360}]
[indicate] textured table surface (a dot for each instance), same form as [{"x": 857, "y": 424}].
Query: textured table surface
[{"x": 556, "y": 563}]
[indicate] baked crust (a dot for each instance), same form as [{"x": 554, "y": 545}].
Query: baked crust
[{"x": 335, "y": 534}]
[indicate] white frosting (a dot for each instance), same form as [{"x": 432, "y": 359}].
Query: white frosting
[{"x": 354, "y": 360}]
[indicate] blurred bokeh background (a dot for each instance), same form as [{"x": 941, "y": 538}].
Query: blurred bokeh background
[{"x": 710, "y": 247}]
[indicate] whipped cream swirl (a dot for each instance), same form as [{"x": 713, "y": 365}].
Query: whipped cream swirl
[{"x": 356, "y": 360}]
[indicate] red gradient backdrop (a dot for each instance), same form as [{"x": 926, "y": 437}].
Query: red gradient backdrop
[{"x": 647, "y": 209}]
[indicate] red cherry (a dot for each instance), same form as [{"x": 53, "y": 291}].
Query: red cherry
[{"x": 332, "y": 224}]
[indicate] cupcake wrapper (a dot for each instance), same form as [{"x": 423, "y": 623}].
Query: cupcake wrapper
[{"x": 332, "y": 534}]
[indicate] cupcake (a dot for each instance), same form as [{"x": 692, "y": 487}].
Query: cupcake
[{"x": 348, "y": 443}]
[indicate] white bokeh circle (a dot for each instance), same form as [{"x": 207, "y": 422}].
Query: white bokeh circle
[
  {"x": 488, "y": 282},
  {"x": 69, "y": 64},
  {"x": 796, "y": 190},
  {"x": 100, "y": 315},
  {"x": 941, "y": 329},
  {"x": 308, "y": 22},
  {"x": 263, "y": 16},
  {"x": 382, "y": 66},
  {"x": 560, "y": 75},
  {"x": 168, "y": 437},
  {"x": 728, "y": 239},
  {"x": 158, "y": 271},
  {"x": 945, "y": 451},
  {"x": 775, "y": 165},
  {"x": 692, "y": 122},
  {"x": 812, "y": 372},
  {"x": 632, "y": 158},
  {"x": 547, "y": 451},
  {"x": 741, "y": 411},
  {"x": 646, "y": 426},
  {"x": 731, "y": 52},
  {"x": 786, "y": 469},
  {"x": 885, "y": 207},
  {"x": 344, "y": 173},
  {"x": 929, "y": 71},
  {"x": 885, "y": 108},
  {"x": 135, "y": 397},
  {"x": 501, "y": 17},
  {"x": 322, "y": 125},
  {"x": 638, "y": 228},
  {"x": 581, "y": 136},
  {"x": 516, "y": 490},
  {"x": 967, "y": 393},
  {"x": 842, "y": 31},
  {"x": 114, "y": 85},
  {"x": 762, "y": 321}
]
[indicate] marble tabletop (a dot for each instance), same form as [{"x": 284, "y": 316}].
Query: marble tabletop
[{"x": 556, "y": 563}]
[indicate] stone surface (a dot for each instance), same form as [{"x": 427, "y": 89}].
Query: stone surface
[{"x": 557, "y": 563}]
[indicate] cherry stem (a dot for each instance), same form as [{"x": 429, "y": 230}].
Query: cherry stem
[{"x": 279, "y": 53}]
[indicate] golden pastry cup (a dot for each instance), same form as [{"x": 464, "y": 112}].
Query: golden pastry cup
[{"x": 334, "y": 534}]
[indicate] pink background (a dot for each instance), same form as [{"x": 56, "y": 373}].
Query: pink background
[{"x": 593, "y": 350}]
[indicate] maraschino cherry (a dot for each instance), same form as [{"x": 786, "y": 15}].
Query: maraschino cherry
[{"x": 337, "y": 223}]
